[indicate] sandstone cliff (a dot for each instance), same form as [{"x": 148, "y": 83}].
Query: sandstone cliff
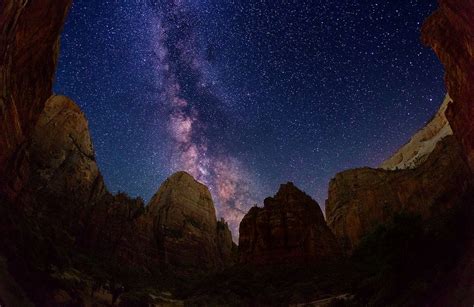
[
  {"x": 361, "y": 199},
  {"x": 185, "y": 224},
  {"x": 417, "y": 150},
  {"x": 450, "y": 32},
  {"x": 29, "y": 46},
  {"x": 289, "y": 228}
]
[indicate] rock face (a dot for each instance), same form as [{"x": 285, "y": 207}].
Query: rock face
[
  {"x": 450, "y": 32},
  {"x": 185, "y": 224},
  {"x": 61, "y": 156},
  {"x": 361, "y": 199},
  {"x": 65, "y": 188},
  {"x": 417, "y": 150},
  {"x": 29, "y": 41},
  {"x": 48, "y": 168},
  {"x": 179, "y": 227},
  {"x": 289, "y": 228}
]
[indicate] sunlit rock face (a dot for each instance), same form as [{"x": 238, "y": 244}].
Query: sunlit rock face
[
  {"x": 185, "y": 225},
  {"x": 290, "y": 228},
  {"x": 417, "y": 150},
  {"x": 450, "y": 32},
  {"x": 29, "y": 46},
  {"x": 361, "y": 199}
]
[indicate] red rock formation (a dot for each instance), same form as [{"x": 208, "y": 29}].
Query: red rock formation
[
  {"x": 29, "y": 41},
  {"x": 450, "y": 32},
  {"x": 289, "y": 228},
  {"x": 66, "y": 188},
  {"x": 185, "y": 224},
  {"x": 47, "y": 163},
  {"x": 361, "y": 199}
]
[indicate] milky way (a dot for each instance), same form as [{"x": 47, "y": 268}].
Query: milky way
[
  {"x": 181, "y": 71},
  {"x": 245, "y": 95}
]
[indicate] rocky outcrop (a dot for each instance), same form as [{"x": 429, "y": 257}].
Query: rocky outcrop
[
  {"x": 289, "y": 228},
  {"x": 361, "y": 199},
  {"x": 417, "y": 150},
  {"x": 47, "y": 163},
  {"x": 29, "y": 41},
  {"x": 65, "y": 189},
  {"x": 61, "y": 158},
  {"x": 179, "y": 227},
  {"x": 185, "y": 224},
  {"x": 450, "y": 32}
]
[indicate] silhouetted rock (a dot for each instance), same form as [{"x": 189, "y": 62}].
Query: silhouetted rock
[
  {"x": 290, "y": 228},
  {"x": 361, "y": 199}
]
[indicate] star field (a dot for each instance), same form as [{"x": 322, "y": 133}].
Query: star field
[{"x": 246, "y": 95}]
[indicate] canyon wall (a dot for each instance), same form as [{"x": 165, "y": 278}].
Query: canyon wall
[
  {"x": 49, "y": 175},
  {"x": 29, "y": 47},
  {"x": 433, "y": 171},
  {"x": 359, "y": 200},
  {"x": 418, "y": 149},
  {"x": 450, "y": 32}
]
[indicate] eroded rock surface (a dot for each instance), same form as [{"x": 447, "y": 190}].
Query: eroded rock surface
[
  {"x": 418, "y": 149},
  {"x": 289, "y": 228},
  {"x": 450, "y": 32},
  {"x": 29, "y": 46},
  {"x": 361, "y": 199},
  {"x": 185, "y": 224}
]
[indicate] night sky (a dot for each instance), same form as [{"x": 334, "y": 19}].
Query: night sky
[{"x": 247, "y": 94}]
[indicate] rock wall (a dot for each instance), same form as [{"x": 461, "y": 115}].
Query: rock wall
[
  {"x": 417, "y": 150},
  {"x": 361, "y": 199},
  {"x": 29, "y": 45},
  {"x": 290, "y": 228},
  {"x": 450, "y": 32},
  {"x": 65, "y": 188}
]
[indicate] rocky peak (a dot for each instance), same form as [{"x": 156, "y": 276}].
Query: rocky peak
[
  {"x": 289, "y": 228},
  {"x": 181, "y": 189},
  {"x": 185, "y": 224}
]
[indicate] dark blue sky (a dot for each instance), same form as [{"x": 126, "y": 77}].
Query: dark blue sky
[{"x": 246, "y": 95}]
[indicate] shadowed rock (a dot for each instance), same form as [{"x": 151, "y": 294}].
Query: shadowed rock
[
  {"x": 361, "y": 199},
  {"x": 450, "y": 32},
  {"x": 289, "y": 228}
]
